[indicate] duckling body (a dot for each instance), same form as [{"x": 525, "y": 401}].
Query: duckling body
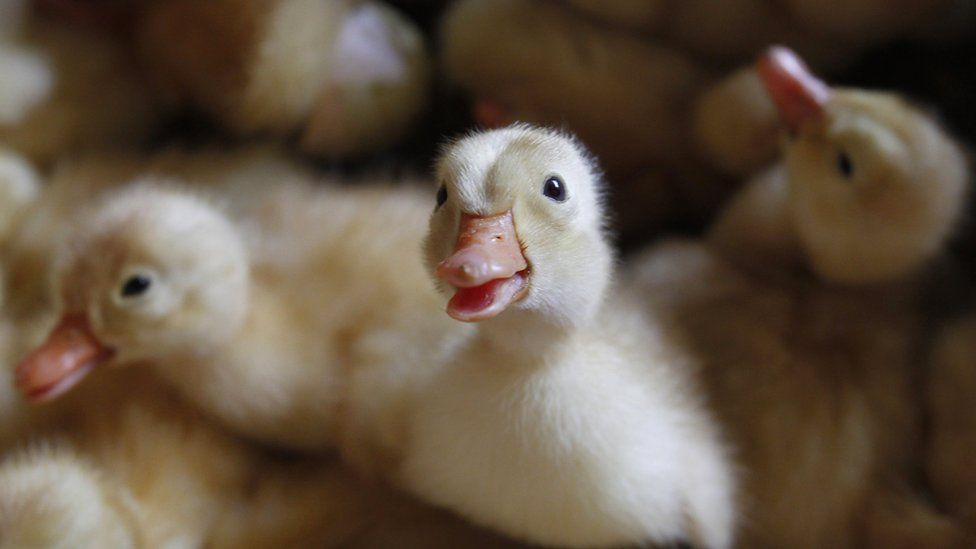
[
  {"x": 313, "y": 299},
  {"x": 565, "y": 420},
  {"x": 124, "y": 465},
  {"x": 803, "y": 303},
  {"x": 124, "y": 462}
]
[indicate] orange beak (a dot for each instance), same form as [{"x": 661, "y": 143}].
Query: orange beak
[
  {"x": 69, "y": 354},
  {"x": 797, "y": 93},
  {"x": 487, "y": 267}
]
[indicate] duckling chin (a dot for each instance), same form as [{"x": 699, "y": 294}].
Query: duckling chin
[{"x": 566, "y": 419}]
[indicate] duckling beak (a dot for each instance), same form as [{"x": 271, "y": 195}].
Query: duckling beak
[
  {"x": 797, "y": 93},
  {"x": 69, "y": 354},
  {"x": 487, "y": 267}
]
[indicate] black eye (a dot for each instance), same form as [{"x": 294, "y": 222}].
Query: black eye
[
  {"x": 844, "y": 165},
  {"x": 554, "y": 189},
  {"x": 441, "y": 196},
  {"x": 136, "y": 285}
]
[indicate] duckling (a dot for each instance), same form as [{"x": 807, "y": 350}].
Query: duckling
[
  {"x": 238, "y": 175},
  {"x": 802, "y": 304},
  {"x": 348, "y": 77},
  {"x": 123, "y": 462},
  {"x": 565, "y": 419},
  {"x": 298, "y": 335},
  {"x": 52, "y": 498}
]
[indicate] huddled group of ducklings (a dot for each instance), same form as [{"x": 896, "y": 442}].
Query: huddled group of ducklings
[{"x": 222, "y": 348}]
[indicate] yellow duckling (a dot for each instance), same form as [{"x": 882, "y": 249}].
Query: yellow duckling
[
  {"x": 302, "y": 325},
  {"x": 566, "y": 419},
  {"x": 802, "y": 304},
  {"x": 123, "y": 462},
  {"x": 348, "y": 77}
]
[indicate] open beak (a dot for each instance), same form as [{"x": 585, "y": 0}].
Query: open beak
[
  {"x": 487, "y": 268},
  {"x": 797, "y": 93},
  {"x": 69, "y": 354}
]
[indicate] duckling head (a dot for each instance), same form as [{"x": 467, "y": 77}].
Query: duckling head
[
  {"x": 148, "y": 274},
  {"x": 875, "y": 185},
  {"x": 519, "y": 226}
]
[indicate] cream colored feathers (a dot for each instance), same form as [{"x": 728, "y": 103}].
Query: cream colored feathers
[
  {"x": 566, "y": 420},
  {"x": 809, "y": 349},
  {"x": 303, "y": 322}
]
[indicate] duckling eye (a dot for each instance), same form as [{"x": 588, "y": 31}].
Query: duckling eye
[
  {"x": 136, "y": 285},
  {"x": 554, "y": 189},
  {"x": 845, "y": 165},
  {"x": 441, "y": 196}
]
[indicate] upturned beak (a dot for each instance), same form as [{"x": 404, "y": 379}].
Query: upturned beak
[
  {"x": 69, "y": 354},
  {"x": 797, "y": 93},
  {"x": 487, "y": 267}
]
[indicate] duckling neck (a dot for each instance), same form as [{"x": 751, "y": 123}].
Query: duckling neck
[{"x": 528, "y": 334}]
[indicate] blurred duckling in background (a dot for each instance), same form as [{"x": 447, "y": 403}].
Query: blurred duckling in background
[
  {"x": 348, "y": 77},
  {"x": 123, "y": 462},
  {"x": 65, "y": 91},
  {"x": 566, "y": 419},
  {"x": 239, "y": 176},
  {"x": 120, "y": 464},
  {"x": 303, "y": 334},
  {"x": 803, "y": 304}
]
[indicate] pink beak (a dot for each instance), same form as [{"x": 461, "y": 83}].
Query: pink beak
[
  {"x": 487, "y": 268},
  {"x": 68, "y": 355},
  {"x": 797, "y": 93}
]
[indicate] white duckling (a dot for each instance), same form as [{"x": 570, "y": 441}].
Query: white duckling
[
  {"x": 565, "y": 420},
  {"x": 348, "y": 77},
  {"x": 802, "y": 303},
  {"x": 301, "y": 335}
]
